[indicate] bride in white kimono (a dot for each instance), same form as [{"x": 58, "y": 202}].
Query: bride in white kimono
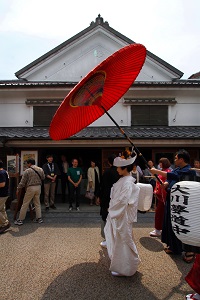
[{"x": 122, "y": 213}]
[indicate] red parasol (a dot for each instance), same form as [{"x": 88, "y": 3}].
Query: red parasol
[{"x": 98, "y": 91}]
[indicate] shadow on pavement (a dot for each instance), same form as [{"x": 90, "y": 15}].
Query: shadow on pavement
[
  {"x": 151, "y": 244},
  {"x": 94, "y": 281},
  {"x": 183, "y": 268}
]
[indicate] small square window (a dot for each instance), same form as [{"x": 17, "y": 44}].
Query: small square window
[
  {"x": 155, "y": 115},
  {"x": 42, "y": 115}
]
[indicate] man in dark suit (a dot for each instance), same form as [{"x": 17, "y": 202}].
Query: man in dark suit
[
  {"x": 51, "y": 172},
  {"x": 110, "y": 176}
]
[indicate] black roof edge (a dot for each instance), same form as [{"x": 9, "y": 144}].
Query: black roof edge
[
  {"x": 29, "y": 84},
  {"x": 99, "y": 22},
  {"x": 150, "y": 54},
  {"x": 20, "y": 80},
  {"x": 25, "y": 83}
]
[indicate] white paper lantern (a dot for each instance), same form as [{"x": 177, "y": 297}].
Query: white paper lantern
[
  {"x": 185, "y": 212},
  {"x": 145, "y": 196}
]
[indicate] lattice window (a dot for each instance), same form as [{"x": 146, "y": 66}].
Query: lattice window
[{"x": 144, "y": 115}]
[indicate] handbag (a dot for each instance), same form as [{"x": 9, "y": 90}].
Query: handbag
[{"x": 89, "y": 195}]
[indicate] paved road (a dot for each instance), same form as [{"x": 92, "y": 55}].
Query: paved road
[{"x": 62, "y": 259}]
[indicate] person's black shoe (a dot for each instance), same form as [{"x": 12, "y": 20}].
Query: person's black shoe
[
  {"x": 53, "y": 206},
  {"x": 47, "y": 208},
  {"x": 4, "y": 228}
]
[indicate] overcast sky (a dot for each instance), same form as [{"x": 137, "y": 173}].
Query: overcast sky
[{"x": 169, "y": 29}]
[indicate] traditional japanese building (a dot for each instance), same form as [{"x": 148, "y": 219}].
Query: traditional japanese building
[{"x": 160, "y": 111}]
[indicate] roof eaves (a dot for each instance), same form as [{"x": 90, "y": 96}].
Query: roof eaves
[
  {"x": 175, "y": 83},
  {"x": 36, "y": 84},
  {"x": 105, "y": 133},
  {"x": 193, "y": 83}
]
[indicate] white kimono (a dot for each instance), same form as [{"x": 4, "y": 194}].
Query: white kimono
[{"x": 118, "y": 230}]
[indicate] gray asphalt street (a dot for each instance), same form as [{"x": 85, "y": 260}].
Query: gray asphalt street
[{"x": 62, "y": 259}]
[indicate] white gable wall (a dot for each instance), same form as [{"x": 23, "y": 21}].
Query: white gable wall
[
  {"x": 152, "y": 71},
  {"x": 77, "y": 59}
]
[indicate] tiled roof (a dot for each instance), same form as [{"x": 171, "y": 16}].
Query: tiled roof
[
  {"x": 195, "y": 76},
  {"x": 36, "y": 84},
  {"x": 193, "y": 83},
  {"x": 93, "y": 133},
  {"x": 139, "y": 101}
]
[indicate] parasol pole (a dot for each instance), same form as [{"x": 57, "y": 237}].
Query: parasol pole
[{"x": 130, "y": 141}]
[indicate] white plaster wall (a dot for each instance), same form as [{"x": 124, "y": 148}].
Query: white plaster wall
[
  {"x": 179, "y": 115},
  {"x": 80, "y": 64},
  {"x": 186, "y": 114},
  {"x": 189, "y": 97},
  {"x": 16, "y": 115},
  {"x": 73, "y": 69},
  {"x": 153, "y": 72},
  {"x": 120, "y": 113},
  {"x": 76, "y": 60}
]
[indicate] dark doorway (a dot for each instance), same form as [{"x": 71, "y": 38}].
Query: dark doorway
[{"x": 84, "y": 156}]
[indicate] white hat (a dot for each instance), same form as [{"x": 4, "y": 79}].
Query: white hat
[{"x": 121, "y": 162}]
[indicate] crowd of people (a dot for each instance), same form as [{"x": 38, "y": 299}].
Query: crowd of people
[
  {"x": 122, "y": 212},
  {"x": 117, "y": 194},
  {"x": 30, "y": 186},
  {"x": 35, "y": 178}
]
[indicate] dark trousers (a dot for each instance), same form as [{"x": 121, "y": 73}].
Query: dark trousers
[
  {"x": 74, "y": 194},
  {"x": 168, "y": 236}
]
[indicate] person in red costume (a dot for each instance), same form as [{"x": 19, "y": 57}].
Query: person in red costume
[
  {"x": 160, "y": 194},
  {"x": 193, "y": 279}
]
